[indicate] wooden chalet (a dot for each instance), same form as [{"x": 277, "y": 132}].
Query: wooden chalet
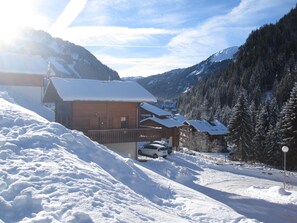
[
  {"x": 204, "y": 136},
  {"x": 154, "y": 117},
  {"x": 106, "y": 111}
]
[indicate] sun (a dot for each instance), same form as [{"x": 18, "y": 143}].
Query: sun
[{"x": 15, "y": 15}]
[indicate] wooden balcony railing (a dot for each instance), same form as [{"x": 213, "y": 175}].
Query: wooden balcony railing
[{"x": 125, "y": 135}]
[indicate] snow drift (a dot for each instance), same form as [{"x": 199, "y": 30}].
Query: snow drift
[{"x": 52, "y": 174}]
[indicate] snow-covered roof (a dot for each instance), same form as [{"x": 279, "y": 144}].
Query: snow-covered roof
[
  {"x": 179, "y": 118},
  {"x": 22, "y": 64},
  {"x": 212, "y": 128},
  {"x": 95, "y": 90},
  {"x": 154, "y": 109},
  {"x": 168, "y": 122}
]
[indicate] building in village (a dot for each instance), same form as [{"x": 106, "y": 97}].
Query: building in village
[
  {"x": 204, "y": 136},
  {"x": 154, "y": 117},
  {"x": 106, "y": 111},
  {"x": 27, "y": 73},
  {"x": 23, "y": 77}
]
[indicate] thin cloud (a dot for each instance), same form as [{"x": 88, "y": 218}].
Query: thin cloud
[
  {"x": 71, "y": 11},
  {"x": 131, "y": 66},
  {"x": 107, "y": 28},
  {"x": 116, "y": 36},
  {"x": 214, "y": 34}
]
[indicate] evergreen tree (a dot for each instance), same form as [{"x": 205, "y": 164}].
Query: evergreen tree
[
  {"x": 274, "y": 113},
  {"x": 273, "y": 146},
  {"x": 262, "y": 127},
  {"x": 273, "y": 137},
  {"x": 253, "y": 113},
  {"x": 289, "y": 128},
  {"x": 240, "y": 129}
]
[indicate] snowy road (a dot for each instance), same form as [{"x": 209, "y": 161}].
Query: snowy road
[{"x": 252, "y": 191}]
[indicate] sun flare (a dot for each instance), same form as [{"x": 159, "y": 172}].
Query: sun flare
[{"x": 15, "y": 15}]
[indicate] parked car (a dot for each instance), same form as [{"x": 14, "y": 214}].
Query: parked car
[
  {"x": 163, "y": 143},
  {"x": 153, "y": 150}
]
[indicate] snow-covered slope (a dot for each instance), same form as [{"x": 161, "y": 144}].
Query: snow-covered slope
[
  {"x": 27, "y": 97},
  {"x": 51, "y": 174},
  {"x": 226, "y": 54}
]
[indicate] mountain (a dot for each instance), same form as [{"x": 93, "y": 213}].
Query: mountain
[
  {"x": 65, "y": 58},
  {"x": 179, "y": 81},
  {"x": 265, "y": 66},
  {"x": 131, "y": 78}
]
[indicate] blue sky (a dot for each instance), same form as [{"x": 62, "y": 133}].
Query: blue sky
[{"x": 141, "y": 38}]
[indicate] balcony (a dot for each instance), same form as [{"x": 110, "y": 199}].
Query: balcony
[{"x": 125, "y": 135}]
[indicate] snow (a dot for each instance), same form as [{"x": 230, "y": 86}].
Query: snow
[
  {"x": 198, "y": 71},
  {"x": 96, "y": 90},
  {"x": 154, "y": 109},
  {"x": 212, "y": 128},
  {"x": 28, "y": 97},
  {"x": 55, "y": 63},
  {"x": 22, "y": 64},
  {"x": 179, "y": 118},
  {"x": 168, "y": 122},
  {"x": 225, "y": 54},
  {"x": 52, "y": 174},
  {"x": 253, "y": 191}
]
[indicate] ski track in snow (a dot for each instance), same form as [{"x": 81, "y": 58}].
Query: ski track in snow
[{"x": 51, "y": 174}]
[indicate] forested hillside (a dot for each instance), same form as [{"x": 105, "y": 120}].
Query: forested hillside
[
  {"x": 179, "y": 81},
  {"x": 266, "y": 67},
  {"x": 254, "y": 95}
]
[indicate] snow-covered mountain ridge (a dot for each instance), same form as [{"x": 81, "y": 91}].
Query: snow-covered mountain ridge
[
  {"x": 179, "y": 81},
  {"x": 226, "y": 54},
  {"x": 65, "y": 59}
]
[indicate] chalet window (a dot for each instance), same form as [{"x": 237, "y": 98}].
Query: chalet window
[{"x": 124, "y": 122}]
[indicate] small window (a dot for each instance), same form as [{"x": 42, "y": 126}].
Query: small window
[{"x": 124, "y": 122}]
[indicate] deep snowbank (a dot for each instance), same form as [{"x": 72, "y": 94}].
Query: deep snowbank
[{"x": 51, "y": 174}]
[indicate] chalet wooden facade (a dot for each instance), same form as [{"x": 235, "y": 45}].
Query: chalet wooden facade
[
  {"x": 154, "y": 117},
  {"x": 106, "y": 111},
  {"x": 204, "y": 136}
]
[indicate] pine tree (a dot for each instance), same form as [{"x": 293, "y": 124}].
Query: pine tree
[
  {"x": 273, "y": 145},
  {"x": 262, "y": 127},
  {"x": 273, "y": 137},
  {"x": 253, "y": 113},
  {"x": 240, "y": 128},
  {"x": 289, "y": 128}
]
